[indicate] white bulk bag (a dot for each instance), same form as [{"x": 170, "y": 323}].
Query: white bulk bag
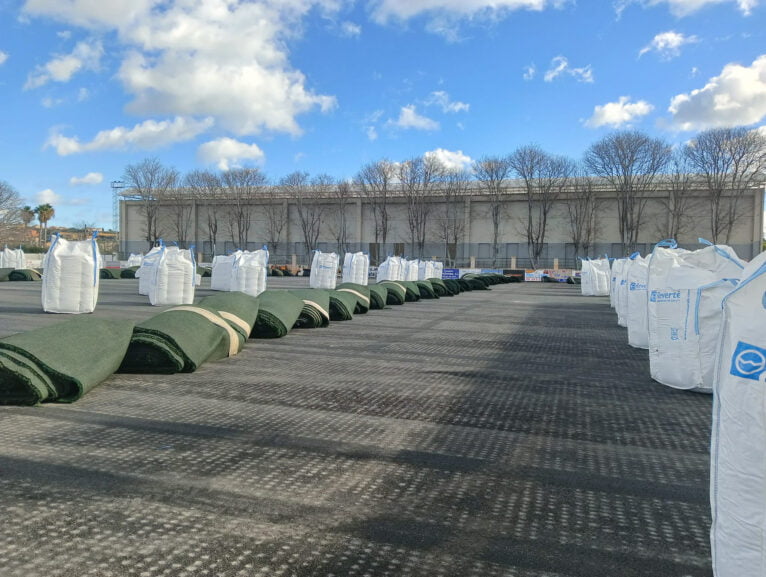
[
  {"x": 621, "y": 292},
  {"x": 425, "y": 269},
  {"x": 390, "y": 269},
  {"x": 144, "y": 272},
  {"x": 250, "y": 271},
  {"x": 438, "y": 269},
  {"x": 638, "y": 329},
  {"x": 12, "y": 258},
  {"x": 601, "y": 277},
  {"x": 70, "y": 276},
  {"x": 356, "y": 268},
  {"x": 222, "y": 271},
  {"x": 708, "y": 316},
  {"x": 173, "y": 278},
  {"x": 135, "y": 260},
  {"x": 674, "y": 277},
  {"x": 324, "y": 270},
  {"x": 617, "y": 268},
  {"x": 738, "y": 458},
  {"x": 410, "y": 268}
]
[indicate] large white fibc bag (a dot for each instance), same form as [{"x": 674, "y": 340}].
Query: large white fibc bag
[
  {"x": 222, "y": 271},
  {"x": 617, "y": 268},
  {"x": 637, "y": 321},
  {"x": 586, "y": 278},
  {"x": 173, "y": 278},
  {"x": 356, "y": 267},
  {"x": 411, "y": 268},
  {"x": 675, "y": 275},
  {"x": 738, "y": 455},
  {"x": 708, "y": 316},
  {"x": 390, "y": 269},
  {"x": 324, "y": 270},
  {"x": 250, "y": 271},
  {"x": 135, "y": 260},
  {"x": 601, "y": 273},
  {"x": 12, "y": 258},
  {"x": 70, "y": 276},
  {"x": 145, "y": 271},
  {"x": 438, "y": 269},
  {"x": 425, "y": 269},
  {"x": 621, "y": 292}
]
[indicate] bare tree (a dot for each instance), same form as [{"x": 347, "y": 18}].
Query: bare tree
[
  {"x": 11, "y": 214},
  {"x": 631, "y": 162},
  {"x": 375, "y": 181},
  {"x": 544, "y": 177},
  {"x": 149, "y": 183},
  {"x": 491, "y": 172},
  {"x": 341, "y": 193},
  {"x": 582, "y": 205},
  {"x": 678, "y": 203},
  {"x": 450, "y": 218},
  {"x": 242, "y": 186},
  {"x": 178, "y": 210},
  {"x": 731, "y": 161},
  {"x": 207, "y": 190},
  {"x": 276, "y": 217},
  {"x": 307, "y": 194},
  {"x": 417, "y": 178}
]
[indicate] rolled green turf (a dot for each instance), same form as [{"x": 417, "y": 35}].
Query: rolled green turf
[
  {"x": 342, "y": 305},
  {"x": 362, "y": 294},
  {"x": 128, "y": 272},
  {"x": 440, "y": 289},
  {"x": 453, "y": 285},
  {"x": 4, "y": 272},
  {"x": 24, "y": 274},
  {"x": 277, "y": 314},
  {"x": 238, "y": 309},
  {"x": 413, "y": 292},
  {"x": 426, "y": 289},
  {"x": 61, "y": 362},
  {"x": 316, "y": 308},
  {"x": 378, "y": 296},
  {"x": 397, "y": 292},
  {"x": 109, "y": 273}
]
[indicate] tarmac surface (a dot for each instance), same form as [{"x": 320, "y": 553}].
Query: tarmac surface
[{"x": 510, "y": 432}]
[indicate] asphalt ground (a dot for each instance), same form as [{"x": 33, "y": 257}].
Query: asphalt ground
[{"x": 510, "y": 432}]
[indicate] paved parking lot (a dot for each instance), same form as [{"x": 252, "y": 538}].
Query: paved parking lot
[{"x": 504, "y": 433}]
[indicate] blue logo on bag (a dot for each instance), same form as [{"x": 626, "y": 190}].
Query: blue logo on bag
[
  {"x": 660, "y": 296},
  {"x": 748, "y": 361},
  {"x": 637, "y": 286}
]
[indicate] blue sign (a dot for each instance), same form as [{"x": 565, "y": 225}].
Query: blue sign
[
  {"x": 748, "y": 361},
  {"x": 451, "y": 273}
]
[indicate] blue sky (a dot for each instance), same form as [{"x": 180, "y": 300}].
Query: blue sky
[{"x": 326, "y": 86}]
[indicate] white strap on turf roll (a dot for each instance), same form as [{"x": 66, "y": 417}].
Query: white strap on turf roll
[
  {"x": 355, "y": 293},
  {"x": 317, "y": 307},
  {"x": 232, "y": 318},
  {"x": 218, "y": 321}
]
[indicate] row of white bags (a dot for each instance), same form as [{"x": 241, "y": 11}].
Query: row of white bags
[
  {"x": 399, "y": 268},
  {"x": 243, "y": 271},
  {"x": 12, "y": 258}
]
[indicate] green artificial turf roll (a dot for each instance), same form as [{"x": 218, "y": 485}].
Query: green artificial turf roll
[
  {"x": 4, "y": 272},
  {"x": 453, "y": 285},
  {"x": 277, "y": 314},
  {"x": 378, "y": 296},
  {"x": 129, "y": 272},
  {"x": 426, "y": 289},
  {"x": 61, "y": 362},
  {"x": 342, "y": 305},
  {"x": 238, "y": 309},
  {"x": 204, "y": 271},
  {"x": 413, "y": 291},
  {"x": 316, "y": 308},
  {"x": 362, "y": 294},
  {"x": 397, "y": 292},
  {"x": 109, "y": 273},
  {"x": 440, "y": 288},
  {"x": 24, "y": 274}
]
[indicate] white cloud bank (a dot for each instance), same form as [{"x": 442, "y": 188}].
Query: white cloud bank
[
  {"x": 86, "y": 55},
  {"x": 452, "y": 160},
  {"x": 620, "y": 113},
  {"x": 228, "y": 153},
  {"x": 668, "y": 44},
  {"x": 410, "y": 119},
  {"x": 681, "y": 8},
  {"x": 560, "y": 67},
  {"x": 385, "y": 10},
  {"x": 90, "y": 178},
  {"x": 441, "y": 99},
  {"x": 3, "y": 57},
  {"x": 225, "y": 60},
  {"x": 736, "y": 97},
  {"x": 146, "y": 135}
]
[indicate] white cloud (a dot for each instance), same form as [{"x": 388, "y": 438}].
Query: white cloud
[
  {"x": 442, "y": 100},
  {"x": 737, "y": 97},
  {"x": 228, "y": 153},
  {"x": 668, "y": 44},
  {"x": 530, "y": 72},
  {"x": 3, "y": 57},
  {"x": 409, "y": 118},
  {"x": 90, "y": 178},
  {"x": 47, "y": 196},
  {"x": 223, "y": 59},
  {"x": 86, "y": 55},
  {"x": 372, "y": 133},
  {"x": 146, "y": 135},
  {"x": 49, "y": 102},
  {"x": 560, "y": 66},
  {"x": 682, "y": 8},
  {"x": 618, "y": 113},
  {"x": 350, "y": 29},
  {"x": 385, "y": 10},
  {"x": 453, "y": 160}
]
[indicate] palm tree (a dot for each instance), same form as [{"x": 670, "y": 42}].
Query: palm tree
[
  {"x": 27, "y": 216},
  {"x": 44, "y": 212}
]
